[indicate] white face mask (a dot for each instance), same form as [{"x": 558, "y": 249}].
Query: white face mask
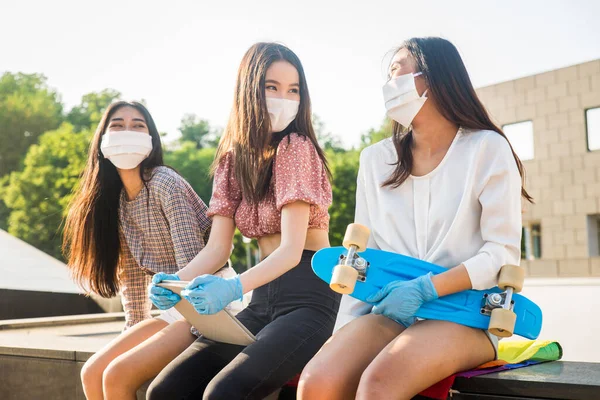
[
  {"x": 282, "y": 112},
  {"x": 402, "y": 101},
  {"x": 126, "y": 149}
]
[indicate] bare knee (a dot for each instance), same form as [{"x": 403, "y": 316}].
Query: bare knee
[
  {"x": 117, "y": 375},
  {"x": 379, "y": 382},
  {"x": 319, "y": 382},
  {"x": 374, "y": 383},
  {"x": 91, "y": 372}
]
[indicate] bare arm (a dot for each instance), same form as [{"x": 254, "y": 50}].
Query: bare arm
[
  {"x": 294, "y": 226},
  {"x": 452, "y": 281},
  {"x": 186, "y": 215},
  {"x": 216, "y": 252}
]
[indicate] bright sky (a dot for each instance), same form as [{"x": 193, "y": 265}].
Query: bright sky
[{"x": 181, "y": 56}]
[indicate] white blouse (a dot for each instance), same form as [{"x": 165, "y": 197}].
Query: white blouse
[{"x": 466, "y": 211}]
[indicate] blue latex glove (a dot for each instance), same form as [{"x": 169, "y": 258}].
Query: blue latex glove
[
  {"x": 210, "y": 294},
  {"x": 400, "y": 300},
  {"x": 163, "y": 298}
]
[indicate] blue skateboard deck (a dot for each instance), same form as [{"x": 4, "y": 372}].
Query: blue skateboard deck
[{"x": 463, "y": 308}]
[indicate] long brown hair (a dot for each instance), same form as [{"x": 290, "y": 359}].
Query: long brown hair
[
  {"x": 248, "y": 132},
  {"x": 91, "y": 241},
  {"x": 448, "y": 83}
]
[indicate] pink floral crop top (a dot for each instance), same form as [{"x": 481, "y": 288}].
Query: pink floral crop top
[{"x": 298, "y": 175}]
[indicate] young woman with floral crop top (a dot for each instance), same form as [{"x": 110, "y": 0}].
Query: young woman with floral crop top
[{"x": 271, "y": 181}]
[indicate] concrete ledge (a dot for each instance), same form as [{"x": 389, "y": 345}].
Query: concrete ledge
[
  {"x": 73, "y": 338},
  {"x": 69, "y": 320},
  {"x": 45, "y": 360},
  {"x": 33, "y": 378},
  {"x": 544, "y": 282},
  {"x": 41, "y": 358},
  {"x": 553, "y": 380},
  {"x": 32, "y": 304},
  {"x": 62, "y": 320},
  {"x": 38, "y": 353}
]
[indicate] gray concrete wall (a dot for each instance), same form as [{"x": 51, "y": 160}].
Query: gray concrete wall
[
  {"x": 43, "y": 378},
  {"x": 16, "y": 304}
]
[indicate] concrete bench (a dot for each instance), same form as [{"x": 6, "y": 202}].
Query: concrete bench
[
  {"x": 553, "y": 380},
  {"x": 42, "y": 359}
]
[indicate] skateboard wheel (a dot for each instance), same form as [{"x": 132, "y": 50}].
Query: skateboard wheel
[
  {"x": 502, "y": 322},
  {"x": 343, "y": 279},
  {"x": 357, "y": 235},
  {"x": 511, "y": 276}
]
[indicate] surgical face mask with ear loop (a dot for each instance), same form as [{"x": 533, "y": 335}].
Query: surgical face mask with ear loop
[
  {"x": 282, "y": 112},
  {"x": 402, "y": 101},
  {"x": 126, "y": 149}
]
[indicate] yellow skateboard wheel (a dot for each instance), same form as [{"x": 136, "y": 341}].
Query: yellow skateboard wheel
[
  {"x": 502, "y": 322},
  {"x": 343, "y": 279},
  {"x": 511, "y": 276},
  {"x": 356, "y": 235}
]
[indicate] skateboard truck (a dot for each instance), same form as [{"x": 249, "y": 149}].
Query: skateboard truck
[
  {"x": 500, "y": 305},
  {"x": 358, "y": 263},
  {"x": 496, "y": 300},
  {"x": 351, "y": 268}
]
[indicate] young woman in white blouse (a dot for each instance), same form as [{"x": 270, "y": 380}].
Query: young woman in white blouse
[{"x": 446, "y": 188}]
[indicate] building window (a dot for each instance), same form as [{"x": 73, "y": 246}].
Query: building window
[
  {"x": 592, "y": 119},
  {"x": 531, "y": 241},
  {"x": 520, "y": 135},
  {"x": 593, "y": 224}
]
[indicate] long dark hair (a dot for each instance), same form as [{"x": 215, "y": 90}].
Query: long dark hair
[
  {"x": 248, "y": 132},
  {"x": 91, "y": 242},
  {"x": 449, "y": 85}
]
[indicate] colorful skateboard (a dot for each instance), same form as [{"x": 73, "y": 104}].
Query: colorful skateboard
[
  {"x": 221, "y": 327},
  {"x": 499, "y": 310}
]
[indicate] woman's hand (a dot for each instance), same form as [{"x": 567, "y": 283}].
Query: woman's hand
[
  {"x": 210, "y": 294},
  {"x": 400, "y": 300},
  {"x": 163, "y": 298}
]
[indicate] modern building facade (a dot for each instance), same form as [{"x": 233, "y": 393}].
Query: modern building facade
[{"x": 553, "y": 121}]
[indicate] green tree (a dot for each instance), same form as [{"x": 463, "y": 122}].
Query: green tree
[
  {"x": 238, "y": 257},
  {"x": 88, "y": 113},
  {"x": 327, "y": 140},
  {"x": 194, "y": 166},
  {"x": 344, "y": 168},
  {"x": 375, "y": 135},
  {"x": 39, "y": 194},
  {"x": 28, "y": 108},
  {"x": 198, "y": 131},
  {"x": 4, "y": 210}
]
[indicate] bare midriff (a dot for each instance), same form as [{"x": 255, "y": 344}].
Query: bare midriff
[{"x": 316, "y": 239}]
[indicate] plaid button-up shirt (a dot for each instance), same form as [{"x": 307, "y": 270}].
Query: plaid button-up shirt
[{"x": 162, "y": 230}]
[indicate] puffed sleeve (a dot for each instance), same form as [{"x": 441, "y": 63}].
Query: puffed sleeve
[
  {"x": 499, "y": 188},
  {"x": 300, "y": 174},
  {"x": 227, "y": 194},
  {"x": 186, "y": 214}
]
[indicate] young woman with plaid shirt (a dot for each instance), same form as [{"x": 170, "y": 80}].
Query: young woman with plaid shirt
[{"x": 130, "y": 218}]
